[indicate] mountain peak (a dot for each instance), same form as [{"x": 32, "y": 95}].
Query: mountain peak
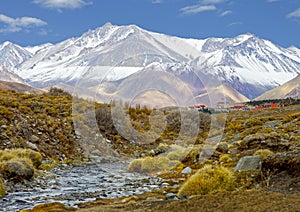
[
  {"x": 6, "y": 44},
  {"x": 107, "y": 24},
  {"x": 246, "y": 36}
]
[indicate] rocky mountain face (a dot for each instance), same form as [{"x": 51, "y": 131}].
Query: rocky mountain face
[
  {"x": 12, "y": 55},
  {"x": 118, "y": 61}
]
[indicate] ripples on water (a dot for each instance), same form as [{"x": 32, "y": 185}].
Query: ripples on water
[{"x": 73, "y": 185}]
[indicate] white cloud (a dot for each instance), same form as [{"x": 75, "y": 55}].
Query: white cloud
[
  {"x": 19, "y": 24},
  {"x": 157, "y": 1},
  {"x": 62, "y": 4},
  {"x": 212, "y": 1},
  {"x": 271, "y": 1},
  {"x": 197, "y": 9},
  {"x": 234, "y": 24},
  {"x": 294, "y": 14},
  {"x": 227, "y": 12}
]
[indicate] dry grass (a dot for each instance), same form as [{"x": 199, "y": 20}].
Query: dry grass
[
  {"x": 2, "y": 188},
  {"x": 207, "y": 180},
  {"x": 263, "y": 153},
  {"x": 152, "y": 164}
]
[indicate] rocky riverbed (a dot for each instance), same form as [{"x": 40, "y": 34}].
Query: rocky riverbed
[{"x": 72, "y": 185}]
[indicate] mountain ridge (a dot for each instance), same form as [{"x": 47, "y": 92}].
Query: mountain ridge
[{"x": 246, "y": 63}]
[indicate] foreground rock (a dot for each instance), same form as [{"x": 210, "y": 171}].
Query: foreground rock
[
  {"x": 17, "y": 170},
  {"x": 248, "y": 163}
]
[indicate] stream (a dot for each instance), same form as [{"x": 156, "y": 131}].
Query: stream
[{"x": 71, "y": 185}]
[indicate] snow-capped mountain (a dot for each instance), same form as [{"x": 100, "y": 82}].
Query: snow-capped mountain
[
  {"x": 111, "y": 55},
  {"x": 106, "y": 47},
  {"x": 12, "y": 55},
  {"x": 249, "y": 64},
  {"x": 34, "y": 49}
]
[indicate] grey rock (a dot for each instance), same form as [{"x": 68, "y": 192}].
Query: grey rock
[
  {"x": 32, "y": 146},
  {"x": 151, "y": 199},
  {"x": 170, "y": 196},
  {"x": 164, "y": 185},
  {"x": 152, "y": 152},
  {"x": 175, "y": 186},
  {"x": 248, "y": 163},
  {"x": 186, "y": 170},
  {"x": 34, "y": 138},
  {"x": 17, "y": 170},
  {"x": 183, "y": 196},
  {"x": 96, "y": 152}
]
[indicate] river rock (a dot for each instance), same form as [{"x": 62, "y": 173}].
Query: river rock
[
  {"x": 186, "y": 170},
  {"x": 170, "y": 196},
  {"x": 248, "y": 163}
]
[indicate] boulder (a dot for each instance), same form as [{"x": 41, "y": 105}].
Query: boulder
[
  {"x": 248, "y": 163},
  {"x": 16, "y": 170}
]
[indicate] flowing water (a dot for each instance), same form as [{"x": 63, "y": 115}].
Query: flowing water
[{"x": 75, "y": 184}]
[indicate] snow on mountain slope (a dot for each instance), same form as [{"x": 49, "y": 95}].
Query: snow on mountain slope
[
  {"x": 12, "y": 55},
  {"x": 248, "y": 60},
  {"x": 246, "y": 63},
  {"x": 34, "y": 49},
  {"x": 107, "y": 46}
]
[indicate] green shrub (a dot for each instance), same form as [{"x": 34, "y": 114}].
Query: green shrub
[
  {"x": 263, "y": 153},
  {"x": 207, "y": 180}
]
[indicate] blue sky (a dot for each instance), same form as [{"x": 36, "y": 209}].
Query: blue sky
[{"x": 33, "y": 22}]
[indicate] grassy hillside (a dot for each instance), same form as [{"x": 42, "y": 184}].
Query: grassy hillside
[{"x": 163, "y": 141}]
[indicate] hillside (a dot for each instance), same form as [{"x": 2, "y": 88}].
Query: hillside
[
  {"x": 159, "y": 142},
  {"x": 288, "y": 89},
  {"x": 8, "y": 76},
  {"x": 19, "y": 87}
]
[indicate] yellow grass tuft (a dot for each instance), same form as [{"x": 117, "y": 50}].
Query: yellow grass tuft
[{"x": 207, "y": 180}]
